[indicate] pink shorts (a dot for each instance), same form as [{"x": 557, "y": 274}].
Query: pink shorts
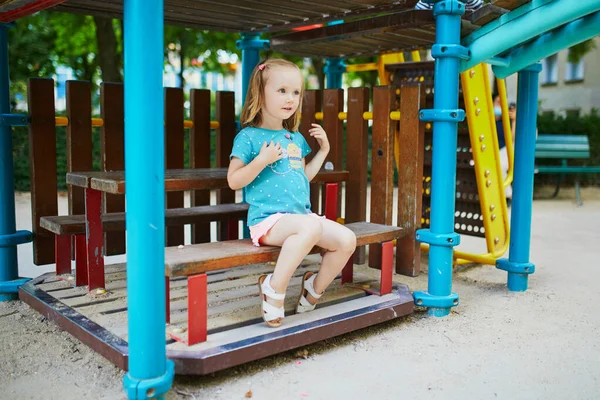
[{"x": 262, "y": 228}]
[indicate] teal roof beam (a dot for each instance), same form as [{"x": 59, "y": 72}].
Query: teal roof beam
[
  {"x": 549, "y": 43},
  {"x": 523, "y": 24}
]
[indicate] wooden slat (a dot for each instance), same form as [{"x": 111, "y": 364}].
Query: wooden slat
[
  {"x": 357, "y": 148},
  {"x": 79, "y": 138},
  {"x": 42, "y": 162},
  {"x": 205, "y": 257},
  {"x": 174, "y": 155},
  {"x": 225, "y": 134},
  {"x": 311, "y": 103},
  {"x": 178, "y": 179},
  {"x": 75, "y": 224},
  {"x": 382, "y": 167},
  {"x": 112, "y": 144},
  {"x": 200, "y": 154},
  {"x": 333, "y": 104},
  {"x": 410, "y": 178},
  {"x": 79, "y": 141}
]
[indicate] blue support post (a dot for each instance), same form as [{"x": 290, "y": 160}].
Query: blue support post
[
  {"x": 250, "y": 44},
  {"x": 445, "y": 116},
  {"x": 150, "y": 373},
  {"x": 518, "y": 265},
  {"x": 334, "y": 71},
  {"x": 9, "y": 269}
]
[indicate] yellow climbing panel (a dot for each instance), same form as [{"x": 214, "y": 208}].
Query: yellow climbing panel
[{"x": 479, "y": 109}]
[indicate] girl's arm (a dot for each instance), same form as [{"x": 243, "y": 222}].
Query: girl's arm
[
  {"x": 314, "y": 166},
  {"x": 239, "y": 175}
]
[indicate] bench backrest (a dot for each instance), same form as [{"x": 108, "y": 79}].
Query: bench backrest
[
  {"x": 81, "y": 134},
  {"x": 562, "y": 146}
]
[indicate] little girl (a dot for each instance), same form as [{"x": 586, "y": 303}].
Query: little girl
[{"x": 268, "y": 161}]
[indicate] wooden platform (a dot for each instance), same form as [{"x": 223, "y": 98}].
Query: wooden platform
[{"x": 236, "y": 333}]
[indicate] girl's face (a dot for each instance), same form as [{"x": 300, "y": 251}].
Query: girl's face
[{"x": 282, "y": 95}]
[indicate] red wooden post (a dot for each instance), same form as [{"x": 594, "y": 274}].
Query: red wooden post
[
  {"x": 62, "y": 254},
  {"x": 197, "y": 309},
  {"x": 95, "y": 242},
  {"x": 331, "y": 201},
  {"x": 81, "y": 270},
  {"x": 387, "y": 261},
  {"x": 348, "y": 271}
]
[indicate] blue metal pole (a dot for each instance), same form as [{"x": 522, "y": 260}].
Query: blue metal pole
[
  {"x": 518, "y": 265},
  {"x": 9, "y": 269},
  {"x": 445, "y": 116},
  {"x": 150, "y": 374},
  {"x": 561, "y": 38},
  {"x": 250, "y": 44},
  {"x": 334, "y": 71}
]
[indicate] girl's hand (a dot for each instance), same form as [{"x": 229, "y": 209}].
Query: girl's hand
[
  {"x": 318, "y": 133},
  {"x": 270, "y": 153}
]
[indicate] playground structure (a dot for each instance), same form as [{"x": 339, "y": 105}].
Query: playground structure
[{"x": 512, "y": 37}]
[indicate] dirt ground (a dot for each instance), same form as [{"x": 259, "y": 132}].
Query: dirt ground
[{"x": 540, "y": 344}]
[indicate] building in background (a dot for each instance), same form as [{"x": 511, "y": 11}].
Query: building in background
[{"x": 566, "y": 88}]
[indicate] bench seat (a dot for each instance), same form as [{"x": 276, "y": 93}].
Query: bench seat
[
  {"x": 205, "y": 257},
  {"x": 194, "y": 261},
  {"x": 75, "y": 224},
  {"x": 564, "y": 148}
]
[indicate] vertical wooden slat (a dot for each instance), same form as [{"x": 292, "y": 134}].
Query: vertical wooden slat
[
  {"x": 79, "y": 139},
  {"x": 410, "y": 179},
  {"x": 174, "y": 155},
  {"x": 225, "y": 135},
  {"x": 357, "y": 147},
  {"x": 382, "y": 167},
  {"x": 311, "y": 103},
  {"x": 113, "y": 156},
  {"x": 200, "y": 154},
  {"x": 42, "y": 162},
  {"x": 333, "y": 104}
]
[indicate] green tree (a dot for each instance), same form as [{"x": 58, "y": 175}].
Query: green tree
[
  {"x": 29, "y": 52},
  {"x": 191, "y": 47}
]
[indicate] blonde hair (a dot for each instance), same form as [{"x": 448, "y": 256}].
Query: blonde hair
[{"x": 255, "y": 97}]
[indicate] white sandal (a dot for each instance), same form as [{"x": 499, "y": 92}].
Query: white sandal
[
  {"x": 270, "y": 312},
  {"x": 308, "y": 282}
]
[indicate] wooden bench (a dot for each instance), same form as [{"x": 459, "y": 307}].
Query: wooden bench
[
  {"x": 564, "y": 148},
  {"x": 66, "y": 226},
  {"x": 194, "y": 261}
]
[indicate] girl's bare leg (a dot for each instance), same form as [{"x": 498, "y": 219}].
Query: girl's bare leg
[
  {"x": 340, "y": 243},
  {"x": 296, "y": 235}
]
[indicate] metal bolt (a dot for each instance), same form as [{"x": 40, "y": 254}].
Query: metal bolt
[
  {"x": 455, "y": 302},
  {"x": 496, "y": 240},
  {"x": 483, "y": 147},
  {"x": 450, "y": 240},
  {"x": 481, "y": 138},
  {"x": 488, "y": 183},
  {"x": 419, "y": 302},
  {"x": 476, "y": 100},
  {"x": 492, "y": 207},
  {"x": 472, "y": 73},
  {"x": 493, "y": 217},
  {"x": 487, "y": 173},
  {"x": 478, "y": 111}
]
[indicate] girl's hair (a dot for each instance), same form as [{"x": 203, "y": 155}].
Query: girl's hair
[{"x": 255, "y": 97}]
